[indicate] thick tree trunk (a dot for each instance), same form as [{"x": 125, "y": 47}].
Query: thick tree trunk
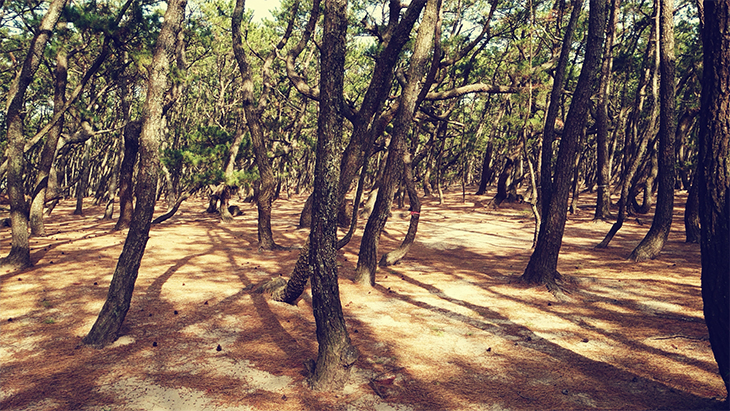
[
  {"x": 542, "y": 267},
  {"x": 19, "y": 256},
  {"x": 714, "y": 181},
  {"x": 654, "y": 241},
  {"x": 126, "y": 173},
  {"x": 336, "y": 354},
  {"x": 107, "y": 326},
  {"x": 393, "y": 175}
]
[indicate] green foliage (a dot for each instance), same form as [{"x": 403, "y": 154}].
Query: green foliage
[{"x": 202, "y": 158}]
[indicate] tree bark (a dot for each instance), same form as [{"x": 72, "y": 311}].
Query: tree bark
[
  {"x": 336, "y": 354},
  {"x": 654, "y": 241},
  {"x": 393, "y": 175},
  {"x": 126, "y": 173},
  {"x": 267, "y": 185},
  {"x": 692, "y": 212},
  {"x": 714, "y": 181},
  {"x": 107, "y": 326},
  {"x": 542, "y": 267},
  {"x": 19, "y": 256},
  {"x": 603, "y": 169},
  {"x": 48, "y": 152}
]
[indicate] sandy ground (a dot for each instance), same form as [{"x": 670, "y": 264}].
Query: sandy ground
[{"x": 449, "y": 328}]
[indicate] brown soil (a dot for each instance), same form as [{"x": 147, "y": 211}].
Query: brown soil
[{"x": 449, "y": 328}]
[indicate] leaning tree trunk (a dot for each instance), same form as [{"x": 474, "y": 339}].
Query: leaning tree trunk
[
  {"x": 654, "y": 241},
  {"x": 336, "y": 354},
  {"x": 107, "y": 326},
  {"x": 367, "y": 257},
  {"x": 48, "y": 153},
  {"x": 19, "y": 256},
  {"x": 415, "y": 208},
  {"x": 83, "y": 182},
  {"x": 714, "y": 184},
  {"x": 542, "y": 267},
  {"x": 267, "y": 184}
]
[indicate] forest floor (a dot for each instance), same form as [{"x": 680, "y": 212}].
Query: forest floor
[{"x": 448, "y": 328}]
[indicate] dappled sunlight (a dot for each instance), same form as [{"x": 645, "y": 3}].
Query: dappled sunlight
[{"x": 449, "y": 327}]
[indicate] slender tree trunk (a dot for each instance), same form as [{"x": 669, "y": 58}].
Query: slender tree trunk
[
  {"x": 692, "y": 212},
  {"x": 267, "y": 184},
  {"x": 107, "y": 326},
  {"x": 48, "y": 153},
  {"x": 393, "y": 175},
  {"x": 654, "y": 241},
  {"x": 542, "y": 267},
  {"x": 83, "y": 183},
  {"x": 114, "y": 183},
  {"x": 603, "y": 168},
  {"x": 336, "y": 354},
  {"x": 714, "y": 181},
  {"x": 396, "y": 255},
  {"x": 551, "y": 116},
  {"x": 19, "y": 256}
]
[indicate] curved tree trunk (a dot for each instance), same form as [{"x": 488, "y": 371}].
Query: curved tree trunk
[
  {"x": 542, "y": 267},
  {"x": 654, "y": 241},
  {"x": 714, "y": 184},
  {"x": 396, "y": 255},
  {"x": 107, "y": 326},
  {"x": 48, "y": 152},
  {"x": 19, "y": 256},
  {"x": 367, "y": 257}
]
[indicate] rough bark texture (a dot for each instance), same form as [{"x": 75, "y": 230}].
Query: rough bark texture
[
  {"x": 267, "y": 184},
  {"x": 551, "y": 116},
  {"x": 542, "y": 267},
  {"x": 126, "y": 186},
  {"x": 393, "y": 175},
  {"x": 653, "y": 242},
  {"x": 48, "y": 152},
  {"x": 396, "y": 255},
  {"x": 19, "y": 256},
  {"x": 108, "y": 324},
  {"x": 603, "y": 200},
  {"x": 714, "y": 185},
  {"x": 336, "y": 354}
]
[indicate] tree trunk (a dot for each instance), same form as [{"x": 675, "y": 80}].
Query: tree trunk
[
  {"x": 83, "y": 183},
  {"x": 114, "y": 183},
  {"x": 48, "y": 153},
  {"x": 336, "y": 354},
  {"x": 542, "y": 267},
  {"x": 267, "y": 184},
  {"x": 396, "y": 255},
  {"x": 654, "y": 241},
  {"x": 393, "y": 175},
  {"x": 19, "y": 256},
  {"x": 546, "y": 156},
  {"x": 714, "y": 181},
  {"x": 603, "y": 169},
  {"x": 107, "y": 326},
  {"x": 692, "y": 212},
  {"x": 126, "y": 173}
]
